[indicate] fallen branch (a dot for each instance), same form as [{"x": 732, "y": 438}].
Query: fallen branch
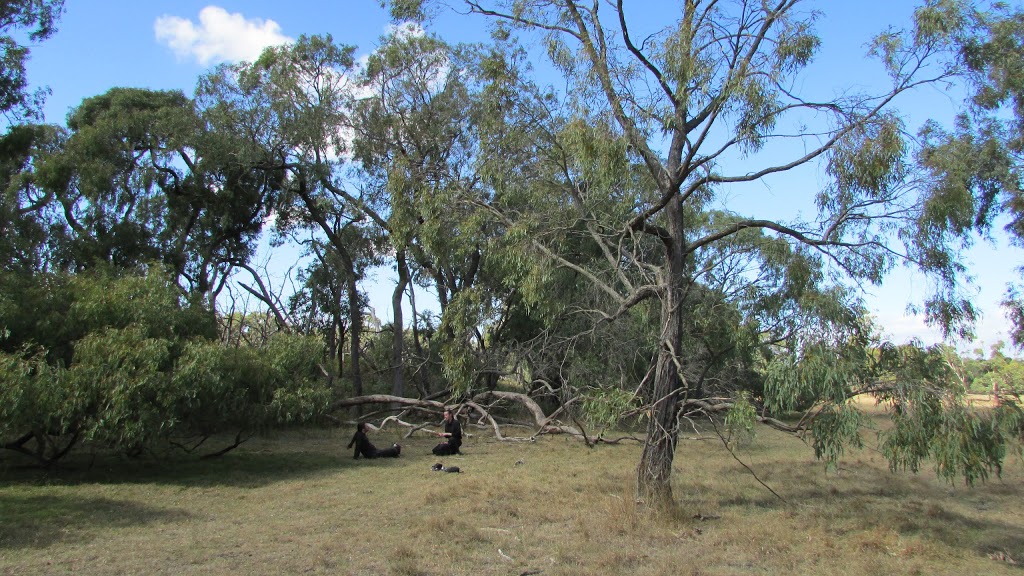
[
  {"x": 780, "y": 425},
  {"x": 487, "y": 415},
  {"x": 240, "y": 438},
  {"x": 431, "y": 405},
  {"x": 723, "y": 406},
  {"x": 543, "y": 423},
  {"x": 384, "y": 422},
  {"x": 415, "y": 429},
  {"x": 529, "y": 403},
  {"x": 602, "y": 440}
]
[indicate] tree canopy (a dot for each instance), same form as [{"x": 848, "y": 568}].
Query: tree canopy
[
  {"x": 576, "y": 226},
  {"x": 648, "y": 137}
]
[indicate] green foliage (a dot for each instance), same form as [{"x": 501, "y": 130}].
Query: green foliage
[
  {"x": 23, "y": 245},
  {"x": 137, "y": 177},
  {"x": 1010, "y": 416},
  {"x": 868, "y": 159},
  {"x": 105, "y": 299},
  {"x": 821, "y": 373},
  {"x": 970, "y": 445},
  {"x": 930, "y": 419},
  {"x": 32, "y": 395},
  {"x": 997, "y": 375},
  {"x": 402, "y": 10},
  {"x": 250, "y": 388},
  {"x": 459, "y": 366},
  {"x": 962, "y": 442},
  {"x": 604, "y": 407},
  {"x": 924, "y": 399},
  {"x": 796, "y": 46},
  {"x": 973, "y": 171},
  {"x": 822, "y": 381},
  {"x": 120, "y": 378},
  {"x": 38, "y": 18},
  {"x": 740, "y": 420},
  {"x": 834, "y": 428},
  {"x": 142, "y": 371}
]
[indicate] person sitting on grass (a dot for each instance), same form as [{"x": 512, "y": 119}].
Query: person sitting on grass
[
  {"x": 453, "y": 432},
  {"x": 365, "y": 448}
]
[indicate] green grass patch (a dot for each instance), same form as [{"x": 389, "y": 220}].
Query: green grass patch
[{"x": 297, "y": 503}]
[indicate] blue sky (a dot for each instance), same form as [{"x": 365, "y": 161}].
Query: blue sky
[{"x": 168, "y": 44}]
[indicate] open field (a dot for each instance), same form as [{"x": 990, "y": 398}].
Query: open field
[{"x": 297, "y": 503}]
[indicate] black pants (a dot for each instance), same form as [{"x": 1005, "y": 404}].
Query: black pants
[
  {"x": 445, "y": 449},
  {"x": 391, "y": 452},
  {"x": 367, "y": 450}
]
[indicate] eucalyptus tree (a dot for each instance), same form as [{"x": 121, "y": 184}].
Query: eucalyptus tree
[
  {"x": 326, "y": 298},
  {"x": 383, "y": 152},
  {"x": 138, "y": 178},
  {"x": 417, "y": 145},
  {"x": 291, "y": 109},
  {"x": 26, "y": 210},
  {"x": 22, "y": 230},
  {"x": 658, "y": 124},
  {"x": 20, "y": 20}
]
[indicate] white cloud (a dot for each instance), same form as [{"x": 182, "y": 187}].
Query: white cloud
[{"x": 219, "y": 36}]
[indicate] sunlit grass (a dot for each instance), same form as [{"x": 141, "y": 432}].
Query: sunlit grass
[{"x": 298, "y": 504}]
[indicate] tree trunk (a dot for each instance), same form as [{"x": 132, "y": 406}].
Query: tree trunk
[
  {"x": 332, "y": 347},
  {"x": 397, "y": 340},
  {"x": 654, "y": 473},
  {"x": 356, "y": 310},
  {"x": 420, "y": 376},
  {"x": 340, "y": 354},
  {"x": 339, "y": 328}
]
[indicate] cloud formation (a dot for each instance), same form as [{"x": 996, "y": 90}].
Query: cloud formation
[{"x": 219, "y": 36}]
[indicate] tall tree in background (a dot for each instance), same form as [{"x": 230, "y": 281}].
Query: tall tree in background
[
  {"x": 417, "y": 147},
  {"x": 384, "y": 152},
  {"x": 291, "y": 108},
  {"x": 22, "y": 229},
  {"x": 106, "y": 226},
  {"x": 39, "y": 18},
  {"x": 663, "y": 122},
  {"x": 140, "y": 177}
]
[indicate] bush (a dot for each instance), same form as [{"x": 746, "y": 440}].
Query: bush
[{"x": 141, "y": 372}]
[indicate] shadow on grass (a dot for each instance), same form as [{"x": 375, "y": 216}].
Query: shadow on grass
[
  {"x": 39, "y": 521},
  {"x": 874, "y": 499},
  {"x": 262, "y": 463}
]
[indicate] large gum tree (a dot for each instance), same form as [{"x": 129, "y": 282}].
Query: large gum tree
[{"x": 658, "y": 121}]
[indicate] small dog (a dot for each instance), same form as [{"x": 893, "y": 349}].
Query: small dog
[{"x": 440, "y": 468}]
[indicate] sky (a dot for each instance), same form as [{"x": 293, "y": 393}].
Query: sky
[{"x": 168, "y": 44}]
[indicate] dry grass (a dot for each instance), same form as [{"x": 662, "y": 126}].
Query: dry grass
[{"x": 298, "y": 504}]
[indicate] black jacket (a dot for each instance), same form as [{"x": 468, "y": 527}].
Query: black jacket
[
  {"x": 455, "y": 429},
  {"x": 363, "y": 445}
]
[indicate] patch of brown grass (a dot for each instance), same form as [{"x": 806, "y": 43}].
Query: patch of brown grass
[{"x": 298, "y": 504}]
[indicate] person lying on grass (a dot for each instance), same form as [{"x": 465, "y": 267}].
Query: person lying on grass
[
  {"x": 453, "y": 432},
  {"x": 365, "y": 448}
]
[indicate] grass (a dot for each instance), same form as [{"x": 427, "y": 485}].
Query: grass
[{"x": 298, "y": 504}]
